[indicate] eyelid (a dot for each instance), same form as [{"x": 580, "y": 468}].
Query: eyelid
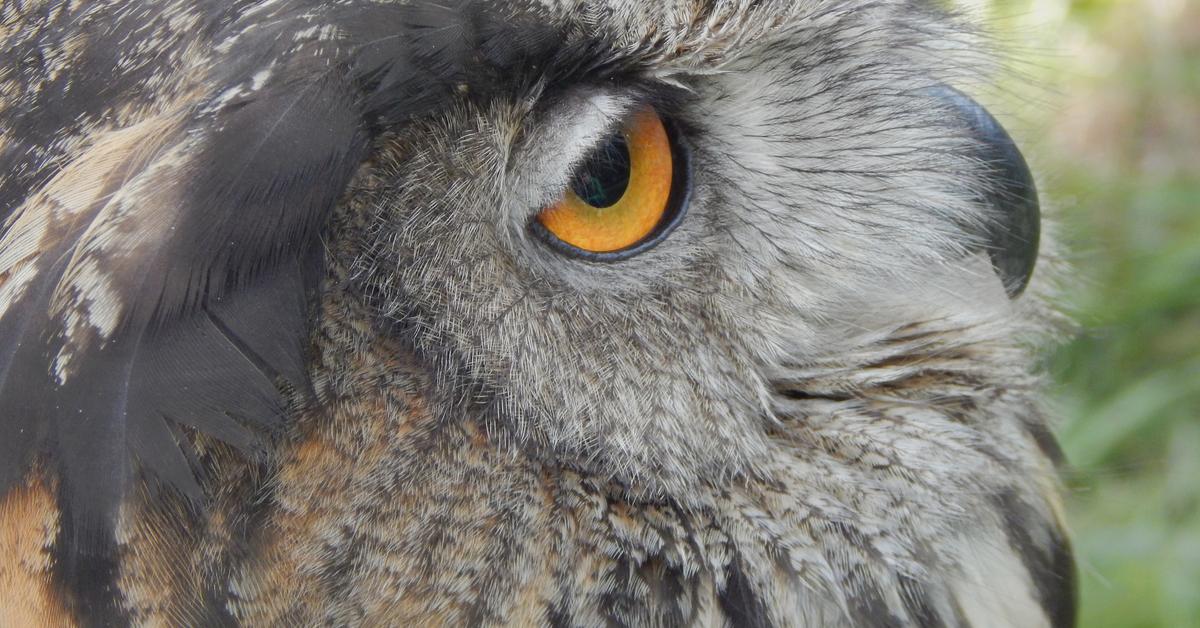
[{"x": 557, "y": 137}]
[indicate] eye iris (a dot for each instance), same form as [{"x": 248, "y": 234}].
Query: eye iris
[
  {"x": 605, "y": 177},
  {"x": 621, "y": 193}
]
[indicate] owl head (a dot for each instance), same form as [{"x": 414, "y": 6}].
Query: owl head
[{"x": 629, "y": 238}]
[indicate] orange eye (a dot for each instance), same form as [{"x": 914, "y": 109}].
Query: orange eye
[{"x": 622, "y": 194}]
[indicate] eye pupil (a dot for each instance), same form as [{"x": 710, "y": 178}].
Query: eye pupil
[{"x": 604, "y": 176}]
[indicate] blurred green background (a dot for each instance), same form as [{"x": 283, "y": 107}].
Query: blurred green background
[{"x": 1105, "y": 97}]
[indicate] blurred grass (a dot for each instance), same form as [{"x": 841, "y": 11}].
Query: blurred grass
[{"x": 1120, "y": 142}]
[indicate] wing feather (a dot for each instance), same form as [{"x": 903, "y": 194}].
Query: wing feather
[{"x": 163, "y": 198}]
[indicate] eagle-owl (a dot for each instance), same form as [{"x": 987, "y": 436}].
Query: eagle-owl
[{"x": 524, "y": 312}]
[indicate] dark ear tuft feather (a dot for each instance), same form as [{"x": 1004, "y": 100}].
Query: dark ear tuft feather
[{"x": 1013, "y": 231}]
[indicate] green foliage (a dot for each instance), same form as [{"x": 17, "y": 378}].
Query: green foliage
[{"x": 1121, "y": 143}]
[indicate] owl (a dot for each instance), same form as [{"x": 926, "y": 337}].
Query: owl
[{"x": 521, "y": 313}]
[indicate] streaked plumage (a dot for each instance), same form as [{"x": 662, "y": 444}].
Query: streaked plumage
[{"x": 277, "y": 346}]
